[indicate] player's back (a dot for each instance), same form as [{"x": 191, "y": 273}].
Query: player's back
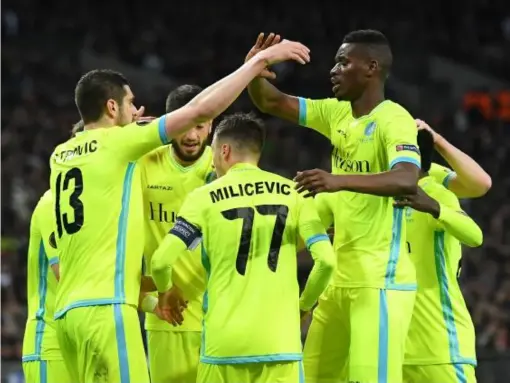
[
  {"x": 98, "y": 205},
  {"x": 249, "y": 253},
  {"x": 441, "y": 329},
  {"x": 40, "y": 340}
]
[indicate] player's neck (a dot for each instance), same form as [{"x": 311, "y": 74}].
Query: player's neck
[
  {"x": 424, "y": 174},
  {"x": 180, "y": 161},
  {"x": 244, "y": 161},
  {"x": 367, "y": 102},
  {"x": 102, "y": 123}
]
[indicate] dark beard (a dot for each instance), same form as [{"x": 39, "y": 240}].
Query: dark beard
[{"x": 188, "y": 158}]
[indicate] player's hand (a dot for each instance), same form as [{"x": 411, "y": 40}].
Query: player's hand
[
  {"x": 171, "y": 305},
  {"x": 316, "y": 181},
  {"x": 260, "y": 45},
  {"x": 420, "y": 124},
  {"x": 139, "y": 117},
  {"x": 420, "y": 201},
  {"x": 284, "y": 51}
]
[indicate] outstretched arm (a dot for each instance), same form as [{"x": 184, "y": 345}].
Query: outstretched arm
[
  {"x": 470, "y": 180},
  {"x": 216, "y": 98},
  {"x": 266, "y": 97}
]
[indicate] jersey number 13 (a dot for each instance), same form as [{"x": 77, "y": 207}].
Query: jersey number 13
[{"x": 63, "y": 220}]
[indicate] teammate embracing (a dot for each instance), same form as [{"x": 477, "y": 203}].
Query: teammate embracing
[
  {"x": 99, "y": 215},
  {"x": 441, "y": 341},
  {"x": 359, "y": 328},
  {"x": 169, "y": 174}
]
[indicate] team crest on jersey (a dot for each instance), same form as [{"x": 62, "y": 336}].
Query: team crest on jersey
[
  {"x": 52, "y": 241},
  {"x": 370, "y": 128}
]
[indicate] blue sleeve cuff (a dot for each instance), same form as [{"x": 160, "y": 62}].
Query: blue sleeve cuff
[
  {"x": 162, "y": 130},
  {"x": 53, "y": 261},
  {"x": 448, "y": 179},
  {"x": 302, "y": 111},
  {"x": 316, "y": 238},
  {"x": 411, "y": 160}
]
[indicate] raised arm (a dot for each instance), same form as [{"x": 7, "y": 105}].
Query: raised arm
[
  {"x": 469, "y": 180},
  {"x": 266, "y": 97},
  {"x": 216, "y": 98}
]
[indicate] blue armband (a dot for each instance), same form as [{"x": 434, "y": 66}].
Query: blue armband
[{"x": 187, "y": 233}]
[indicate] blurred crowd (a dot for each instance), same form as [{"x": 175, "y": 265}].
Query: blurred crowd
[{"x": 199, "y": 43}]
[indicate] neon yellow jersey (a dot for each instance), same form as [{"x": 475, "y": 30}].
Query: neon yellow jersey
[
  {"x": 249, "y": 221},
  {"x": 370, "y": 234},
  {"x": 442, "y": 174},
  {"x": 441, "y": 329},
  {"x": 99, "y": 214},
  {"x": 40, "y": 339},
  {"x": 165, "y": 185}
]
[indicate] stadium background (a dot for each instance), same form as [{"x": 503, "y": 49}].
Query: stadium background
[{"x": 451, "y": 69}]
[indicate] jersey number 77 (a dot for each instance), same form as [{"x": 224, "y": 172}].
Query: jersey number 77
[
  {"x": 247, "y": 214},
  {"x": 63, "y": 221}
]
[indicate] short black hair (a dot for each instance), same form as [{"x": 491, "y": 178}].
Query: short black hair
[
  {"x": 378, "y": 47},
  {"x": 78, "y": 127},
  {"x": 246, "y": 131},
  {"x": 426, "y": 145},
  {"x": 180, "y": 96},
  {"x": 94, "y": 89}
]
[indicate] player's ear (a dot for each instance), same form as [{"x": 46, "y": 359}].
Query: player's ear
[
  {"x": 373, "y": 67},
  {"x": 111, "y": 107}
]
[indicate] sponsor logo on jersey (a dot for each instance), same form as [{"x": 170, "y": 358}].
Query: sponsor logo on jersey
[
  {"x": 408, "y": 148},
  {"x": 349, "y": 165},
  {"x": 160, "y": 187}
]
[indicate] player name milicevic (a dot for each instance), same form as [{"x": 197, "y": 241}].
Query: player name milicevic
[{"x": 249, "y": 189}]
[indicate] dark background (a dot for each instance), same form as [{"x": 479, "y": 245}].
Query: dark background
[{"x": 443, "y": 51}]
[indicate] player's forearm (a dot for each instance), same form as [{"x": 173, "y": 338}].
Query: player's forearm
[
  {"x": 393, "y": 183},
  {"x": 461, "y": 226},
  {"x": 216, "y": 98},
  {"x": 163, "y": 260},
  {"x": 264, "y": 95},
  {"x": 147, "y": 284},
  {"x": 323, "y": 268},
  {"x": 471, "y": 181}
]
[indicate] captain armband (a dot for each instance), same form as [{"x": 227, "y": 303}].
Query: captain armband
[{"x": 187, "y": 233}]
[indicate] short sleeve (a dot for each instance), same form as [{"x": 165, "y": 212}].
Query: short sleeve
[
  {"x": 318, "y": 114},
  {"x": 442, "y": 174},
  {"x": 323, "y": 207},
  {"x": 310, "y": 226},
  {"x": 139, "y": 138},
  {"x": 400, "y": 139}
]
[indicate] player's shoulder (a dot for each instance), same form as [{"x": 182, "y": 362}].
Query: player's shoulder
[
  {"x": 154, "y": 155},
  {"x": 389, "y": 110},
  {"x": 44, "y": 205}
]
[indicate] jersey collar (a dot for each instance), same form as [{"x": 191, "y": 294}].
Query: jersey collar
[{"x": 241, "y": 166}]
